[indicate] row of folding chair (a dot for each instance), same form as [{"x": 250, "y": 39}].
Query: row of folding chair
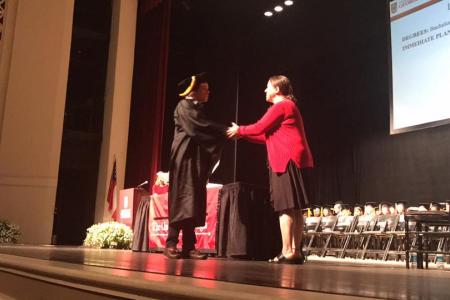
[
  {"x": 358, "y": 237},
  {"x": 380, "y": 237}
]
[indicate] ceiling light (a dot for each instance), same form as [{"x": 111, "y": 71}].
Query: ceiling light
[
  {"x": 268, "y": 14},
  {"x": 278, "y": 8},
  {"x": 288, "y": 2}
]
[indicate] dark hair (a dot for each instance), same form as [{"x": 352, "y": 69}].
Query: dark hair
[
  {"x": 199, "y": 79},
  {"x": 284, "y": 85}
]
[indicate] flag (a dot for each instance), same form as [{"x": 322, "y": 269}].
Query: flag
[{"x": 112, "y": 193}]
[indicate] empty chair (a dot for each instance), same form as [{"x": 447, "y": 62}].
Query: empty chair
[
  {"x": 354, "y": 239},
  {"x": 397, "y": 247},
  {"x": 380, "y": 237},
  {"x": 319, "y": 237},
  {"x": 311, "y": 225},
  {"x": 337, "y": 238}
]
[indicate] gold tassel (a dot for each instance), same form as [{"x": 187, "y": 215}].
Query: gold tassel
[{"x": 189, "y": 89}]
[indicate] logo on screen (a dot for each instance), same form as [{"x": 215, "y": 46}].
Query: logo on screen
[{"x": 393, "y": 7}]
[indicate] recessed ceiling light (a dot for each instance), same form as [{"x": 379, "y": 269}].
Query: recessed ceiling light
[
  {"x": 268, "y": 13},
  {"x": 288, "y": 2},
  {"x": 278, "y": 8}
]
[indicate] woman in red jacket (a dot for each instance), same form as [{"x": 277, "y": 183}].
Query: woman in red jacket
[{"x": 281, "y": 130}]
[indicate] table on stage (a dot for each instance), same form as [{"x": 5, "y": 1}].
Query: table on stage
[
  {"x": 247, "y": 225},
  {"x": 159, "y": 221},
  {"x": 423, "y": 221},
  {"x": 152, "y": 223},
  {"x": 239, "y": 223}
]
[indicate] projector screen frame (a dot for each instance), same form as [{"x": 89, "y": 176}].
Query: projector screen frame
[{"x": 391, "y": 89}]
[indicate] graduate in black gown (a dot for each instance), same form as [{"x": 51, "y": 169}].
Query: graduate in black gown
[{"x": 196, "y": 148}]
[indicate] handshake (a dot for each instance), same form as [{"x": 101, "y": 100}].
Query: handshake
[{"x": 232, "y": 132}]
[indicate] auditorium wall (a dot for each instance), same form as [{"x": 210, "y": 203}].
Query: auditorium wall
[
  {"x": 33, "y": 111},
  {"x": 33, "y": 72},
  {"x": 117, "y": 101}
]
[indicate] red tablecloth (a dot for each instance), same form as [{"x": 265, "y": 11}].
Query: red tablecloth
[{"x": 159, "y": 222}]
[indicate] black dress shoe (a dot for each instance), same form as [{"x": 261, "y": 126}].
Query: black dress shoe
[
  {"x": 171, "y": 253},
  {"x": 281, "y": 259},
  {"x": 193, "y": 254},
  {"x": 293, "y": 260}
]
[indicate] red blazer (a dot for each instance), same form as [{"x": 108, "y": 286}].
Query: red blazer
[{"x": 281, "y": 129}]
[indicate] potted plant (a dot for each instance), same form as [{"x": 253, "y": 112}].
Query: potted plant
[
  {"x": 9, "y": 233},
  {"x": 112, "y": 235}
]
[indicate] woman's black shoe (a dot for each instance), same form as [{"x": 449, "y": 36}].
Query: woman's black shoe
[
  {"x": 276, "y": 258},
  {"x": 281, "y": 259}
]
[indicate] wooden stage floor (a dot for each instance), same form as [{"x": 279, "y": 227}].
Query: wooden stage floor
[{"x": 385, "y": 282}]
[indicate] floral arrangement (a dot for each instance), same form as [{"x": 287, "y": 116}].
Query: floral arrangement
[
  {"x": 111, "y": 235},
  {"x": 161, "y": 185},
  {"x": 9, "y": 233}
]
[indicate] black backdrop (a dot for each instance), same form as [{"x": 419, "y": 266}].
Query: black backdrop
[{"x": 336, "y": 54}]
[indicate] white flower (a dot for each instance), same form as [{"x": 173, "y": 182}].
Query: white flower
[
  {"x": 9, "y": 233},
  {"x": 109, "y": 235}
]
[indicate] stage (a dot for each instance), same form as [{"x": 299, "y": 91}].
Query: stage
[{"x": 130, "y": 275}]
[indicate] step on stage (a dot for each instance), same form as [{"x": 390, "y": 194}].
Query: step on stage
[{"x": 121, "y": 274}]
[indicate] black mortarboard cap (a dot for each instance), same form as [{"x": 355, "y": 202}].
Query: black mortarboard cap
[
  {"x": 190, "y": 83},
  {"x": 401, "y": 202},
  {"x": 358, "y": 205},
  {"x": 373, "y": 204}
]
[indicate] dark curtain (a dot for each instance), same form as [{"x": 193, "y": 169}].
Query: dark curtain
[
  {"x": 148, "y": 95},
  {"x": 147, "y": 5},
  {"x": 340, "y": 73}
]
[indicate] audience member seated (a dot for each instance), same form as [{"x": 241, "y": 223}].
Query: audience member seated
[
  {"x": 317, "y": 211},
  {"x": 369, "y": 209},
  {"x": 384, "y": 208},
  {"x": 424, "y": 206},
  {"x": 392, "y": 209},
  {"x": 311, "y": 223},
  {"x": 434, "y": 206},
  {"x": 346, "y": 210},
  {"x": 374, "y": 209},
  {"x": 306, "y": 212},
  {"x": 338, "y": 206},
  {"x": 326, "y": 211},
  {"x": 400, "y": 207},
  {"x": 357, "y": 210}
]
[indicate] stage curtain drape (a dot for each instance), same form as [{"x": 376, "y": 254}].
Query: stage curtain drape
[
  {"x": 148, "y": 95},
  {"x": 147, "y": 5}
]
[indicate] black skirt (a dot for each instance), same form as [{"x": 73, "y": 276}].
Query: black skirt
[{"x": 287, "y": 190}]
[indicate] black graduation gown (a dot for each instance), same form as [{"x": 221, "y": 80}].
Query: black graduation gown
[{"x": 196, "y": 148}]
